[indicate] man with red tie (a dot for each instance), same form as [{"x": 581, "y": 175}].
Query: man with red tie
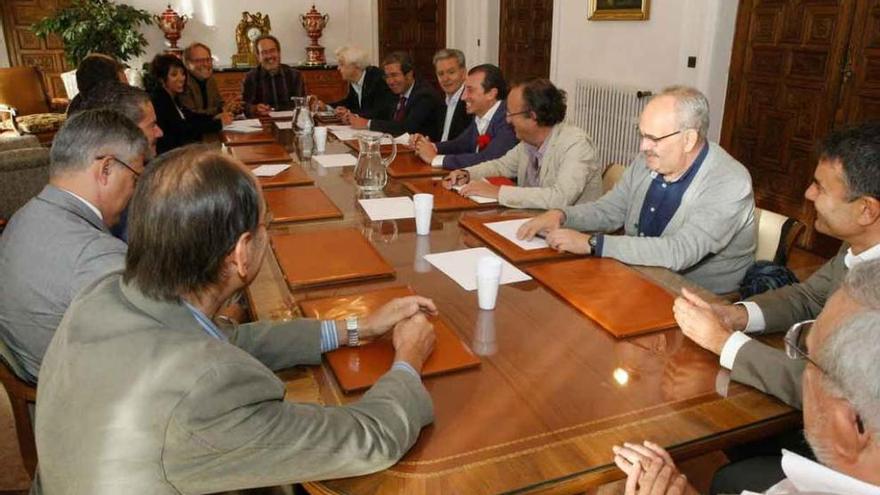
[{"x": 417, "y": 103}]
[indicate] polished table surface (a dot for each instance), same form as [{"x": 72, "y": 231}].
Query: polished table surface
[{"x": 553, "y": 392}]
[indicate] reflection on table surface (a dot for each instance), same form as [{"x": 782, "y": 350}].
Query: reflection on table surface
[{"x": 553, "y": 392}]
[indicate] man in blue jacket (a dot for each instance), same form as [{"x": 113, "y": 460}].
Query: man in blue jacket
[{"x": 489, "y": 136}]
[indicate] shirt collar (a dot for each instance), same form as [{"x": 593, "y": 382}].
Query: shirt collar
[
  {"x": 360, "y": 83},
  {"x": 454, "y": 97},
  {"x": 851, "y": 260},
  {"x": 85, "y": 202},
  {"x": 698, "y": 161},
  {"x": 407, "y": 92},
  {"x": 483, "y": 122},
  {"x": 812, "y": 477},
  {"x": 538, "y": 152},
  {"x": 207, "y": 325}
]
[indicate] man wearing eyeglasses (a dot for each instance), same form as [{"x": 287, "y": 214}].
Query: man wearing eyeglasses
[
  {"x": 201, "y": 93},
  {"x": 684, "y": 203},
  {"x": 840, "y": 369},
  {"x": 272, "y": 84},
  {"x": 59, "y": 241},
  {"x": 554, "y": 164}
]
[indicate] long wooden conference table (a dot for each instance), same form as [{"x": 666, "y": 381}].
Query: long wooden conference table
[{"x": 553, "y": 391}]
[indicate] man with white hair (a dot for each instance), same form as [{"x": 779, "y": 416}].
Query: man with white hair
[
  {"x": 368, "y": 95},
  {"x": 841, "y": 397},
  {"x": 684, "y": 203}
]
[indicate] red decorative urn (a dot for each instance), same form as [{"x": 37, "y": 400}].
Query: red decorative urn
[
  {"x": 171, "y": 23},
  {"x": 314, "y": 23}
]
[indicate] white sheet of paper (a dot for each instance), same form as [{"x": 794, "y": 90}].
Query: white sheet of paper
[
  {"x": 284, "y": 124},
  {"x": 244, "y": 126},
  {"x": 388, "y": 208},
  {"x": 508, "y": 228},
  {"x": 281, "y": 114},
  {"x": 343, "y": 128},
  {"x": 461, "y": 266},
  {"x": 475, "y": 199},
  {"x": 242, "y": 130},
  {"x": 337, "y": 160},
  {"x": 271, "y": 169}
]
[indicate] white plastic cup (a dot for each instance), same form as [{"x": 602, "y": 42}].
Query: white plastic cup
[
  {"x": 320, "y": 139},
  {"x": 488, "y": 279},
  {"x": 423, "y": 247},
  {"x": 424, "y": 204}
]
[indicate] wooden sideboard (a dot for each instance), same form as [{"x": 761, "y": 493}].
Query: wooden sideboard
[{"x": 323, "y": 81}]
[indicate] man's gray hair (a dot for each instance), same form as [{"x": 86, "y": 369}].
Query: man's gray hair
[
  {"x": 353, "y": 55},
  {"x": 93, "y": 133},
  {"x": 850, "y": 354},
  {"x": 445, "y": 53},
  {"x": 691, "y": 108}
]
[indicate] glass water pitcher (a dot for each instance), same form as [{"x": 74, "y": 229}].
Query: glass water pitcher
[
  {"x": 370, "y": 174},
  {"x": 303, "y": 125}
]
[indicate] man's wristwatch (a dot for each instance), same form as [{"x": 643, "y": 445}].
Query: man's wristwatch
[
  {"x": 593, "y": 242},
  {"x": 351, "y": 328}
]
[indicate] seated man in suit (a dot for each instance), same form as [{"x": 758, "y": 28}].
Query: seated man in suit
[
  {"x": 131, "y": 102},
  {"x": 488, "y": 136},
  {"x": 449, "y": 64},
  {"x": 417, "y": 105},
  {"x": 270, "y": 85},
  {"x": 167, "y": 402},
  {"x": 368, "y": 95},
  {"x": 554, "y": 164},
  {"x": 846, "y": 194},
  {"x": 59, "y": 242},
  {"x": 684, "y": 203},
  {"x": 201, "y": 94},
  {"x": 841, "y": 405},
  {"x": 95, "y": 69}
]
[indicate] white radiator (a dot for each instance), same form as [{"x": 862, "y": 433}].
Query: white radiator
[{"x": 610, "y": 115}]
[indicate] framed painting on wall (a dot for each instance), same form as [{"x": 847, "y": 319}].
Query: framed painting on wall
[{"x": 619, "y": 10}]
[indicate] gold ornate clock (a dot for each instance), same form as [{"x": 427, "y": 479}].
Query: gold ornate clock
[{"x": 249, "y": 28}]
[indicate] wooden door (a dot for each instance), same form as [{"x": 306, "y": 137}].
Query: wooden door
[
  {"x": 782, "y": 96},
  {"x": 25, "y": 48},
  {"x": 414, "y": 26},
  {"x": 524, "y": 44},
  {"x": 860, "y": 93}
]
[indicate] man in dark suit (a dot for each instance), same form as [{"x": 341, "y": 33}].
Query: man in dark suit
[
  {"x": 270, "y": 85},
  {"x": 449, "y": 65},
  {"x": 488, "y": 136},
  {"x": 417, "y": 103},
  {"x": 368, "y": 95},
  {"x": 167, "y": 402},
  {"x": 59, "y": 241}
]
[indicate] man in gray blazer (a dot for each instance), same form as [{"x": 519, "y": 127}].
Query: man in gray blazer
[
  {"x": 684, "y": 203},
  {"x": 141, "y": 392},
  {"x": 846, "y": 193},
  {"x": 554, "y": 164},
  {"x": 60, "y": 241}
]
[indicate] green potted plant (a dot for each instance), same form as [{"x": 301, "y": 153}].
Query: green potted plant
[{"x": 103, "y": 26}]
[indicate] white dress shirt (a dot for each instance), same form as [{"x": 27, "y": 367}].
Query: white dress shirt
[
  {"x": 482, "y": 127},
  {"x": 804, "y": 476},
  {"x": 451, "y": 103},
  {"x": 359, "y": 87},
  {"x": 756, "y": 322}
]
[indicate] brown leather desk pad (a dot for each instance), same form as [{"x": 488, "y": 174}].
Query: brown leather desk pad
[
  {"x": 619, "y": 299},
  {"x": 298, "y": 204},
  {"x": 357, "y": 368},
  {"x": 253, "y": 154},
  {"x": 385, "y": 149},
  {"x": 410, "y": 165},
  {"x": 293, "y": 176},
  {"x": 243, "y": 138},
  {"x": 444, "y": 199},
  {"x": 476, "y": 224},
  {"x": 319, "y": 257}
]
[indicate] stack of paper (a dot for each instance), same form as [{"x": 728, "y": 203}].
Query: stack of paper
[
  {"x": 288, "y": 114},
  {"x": 244, "y": 126},
  {"x": 343, "y": 132},
  {"x": 271, "y": 169},
  {"x": 475, "y": 199},
  {"x": 461, "y": 266},
  {"x": 388, "y": 208},
  {"x": 284, "y": 124},
  {"x": 508, "y": 228},
  {"x": 337, "y": 160}
]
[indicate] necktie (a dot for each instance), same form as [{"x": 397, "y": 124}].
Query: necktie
[
  {"x": 533, "y": 172},
  {"x": 401, "y": 105}
]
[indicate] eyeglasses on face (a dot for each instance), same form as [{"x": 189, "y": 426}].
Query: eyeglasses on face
[
  {"x": 514, "y": 114},
  {"x": 656, "y": 140},
  {"x": 137, "y": 174},
  {"x": 796, "y": 342}
]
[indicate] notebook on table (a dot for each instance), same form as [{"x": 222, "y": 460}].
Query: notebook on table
[
  {"x": 252, "y": 154},
  {"x": 444, "y": 199},
  {"x": 487, "y": 229},
  {"x": 321, "y": 257},
  {"x": 410, "y": 165},
  {"x": 299, "y": 204},
  {"x": 358, "y": 368},
  {"x": 615, "y": 296}
]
